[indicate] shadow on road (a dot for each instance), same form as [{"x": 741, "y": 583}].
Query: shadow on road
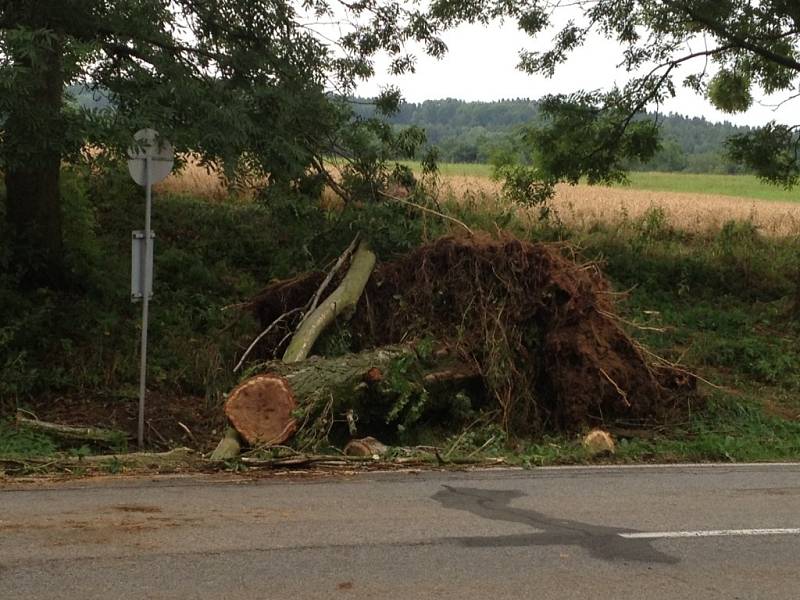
[{"x": 601, "y": 542}]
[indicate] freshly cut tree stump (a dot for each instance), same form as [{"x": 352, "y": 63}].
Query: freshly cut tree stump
[{"x": 261, "y": 408}]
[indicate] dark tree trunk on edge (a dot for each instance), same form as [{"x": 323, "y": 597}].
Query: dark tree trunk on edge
[{"x": 34, "y": 141}]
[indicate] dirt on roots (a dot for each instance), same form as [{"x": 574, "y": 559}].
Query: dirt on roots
[{"x": 540, "y": 327}]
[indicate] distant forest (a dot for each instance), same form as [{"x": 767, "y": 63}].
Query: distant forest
[{"x": 473, "y": 132}]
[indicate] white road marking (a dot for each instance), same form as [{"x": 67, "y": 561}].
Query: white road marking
[
  {"x": 653, "y": 466},
  {"x": 654, "y": 535}
]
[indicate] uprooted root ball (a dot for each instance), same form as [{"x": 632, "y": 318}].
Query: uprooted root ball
[{"x": 540, "y": 327}]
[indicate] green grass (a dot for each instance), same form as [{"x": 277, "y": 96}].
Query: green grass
[
  {"x": 741, "y": 186},
  {"x": 465, "y": 170},
  {"x": 19, "y": 441}
]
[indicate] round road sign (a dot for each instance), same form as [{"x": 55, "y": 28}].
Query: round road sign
[{"x": 162, "y": 157}]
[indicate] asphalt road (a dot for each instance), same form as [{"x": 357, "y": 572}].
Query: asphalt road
[{"x": 702, "y": 532}]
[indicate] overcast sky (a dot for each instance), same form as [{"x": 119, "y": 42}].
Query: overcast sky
[{"x": 481, "y": 65}]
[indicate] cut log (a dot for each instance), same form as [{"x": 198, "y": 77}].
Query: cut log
[
  {"x": 263, "y": 408},
  {"x": 367, "y": 446}
]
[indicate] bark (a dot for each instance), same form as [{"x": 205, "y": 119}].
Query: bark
[
  {"x": 34, "y": 139},
  {"x": 264, "y": 408}
]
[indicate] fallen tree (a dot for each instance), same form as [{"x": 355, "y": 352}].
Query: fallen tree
[{"x": 540, "y": 328}]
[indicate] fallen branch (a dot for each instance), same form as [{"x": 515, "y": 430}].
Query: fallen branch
[
  {"x": 142, "y": 459},
  {"x": 329, "y": 277},
  {"x": 95, "y": 435},
  {"x": 173, "y": 459},
  {"x": 483, "y": 446},
  {"x": 333, "y": 460},
  {"x": 674, "y": 366},
  {"x": 426, "y": 209},
  {"x": 262, "y": 334}
]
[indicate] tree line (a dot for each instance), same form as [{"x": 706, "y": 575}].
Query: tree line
[{"x": 476, "y": 132}]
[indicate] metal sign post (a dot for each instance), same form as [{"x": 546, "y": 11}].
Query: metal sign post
[{"x": 149, "y": 161}]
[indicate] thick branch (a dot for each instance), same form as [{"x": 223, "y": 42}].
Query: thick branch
[{"x": 343, "y": 298}]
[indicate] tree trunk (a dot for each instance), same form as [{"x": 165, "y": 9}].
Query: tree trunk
[
  {"x": 34, "y": 140},
  {"x": 265, "y": 409}
]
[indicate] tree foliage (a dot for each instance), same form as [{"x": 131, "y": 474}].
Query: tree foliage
[
  {"x": 256, "y": 85},
  {"x": 248, "y": 84}
]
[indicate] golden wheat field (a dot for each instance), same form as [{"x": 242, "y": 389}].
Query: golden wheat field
[
  {"x": 583, "y": 205},
  {"x": 578, "y": 206},
  {"x": 194, "y": 180}
]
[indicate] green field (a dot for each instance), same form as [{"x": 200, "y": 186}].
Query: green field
[{"x": 741, "y": 186}]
